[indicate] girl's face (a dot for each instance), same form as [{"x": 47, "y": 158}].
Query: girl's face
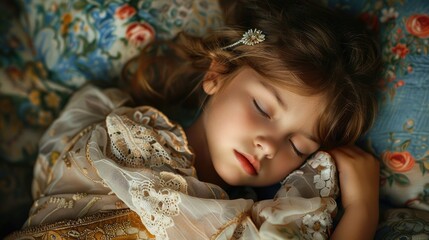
[{"x": 258, "y": 133}]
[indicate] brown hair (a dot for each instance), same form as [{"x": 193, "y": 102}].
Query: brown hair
[{"x": 308, "y": 48}]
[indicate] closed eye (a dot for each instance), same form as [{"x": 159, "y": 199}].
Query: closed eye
[
  {"x": 260, "y": 110},
  {"x": 297, "y": 152}
]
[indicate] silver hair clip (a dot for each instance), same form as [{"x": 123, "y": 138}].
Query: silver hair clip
[{"x": 250, "y": 38}]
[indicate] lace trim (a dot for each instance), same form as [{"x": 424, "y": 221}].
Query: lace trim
[
  {"x": 326, "y": 179},
  {"x": 146, "y": 139},
  {"x": 157, "y": 201},
  {"x": 316, "y": 225}
]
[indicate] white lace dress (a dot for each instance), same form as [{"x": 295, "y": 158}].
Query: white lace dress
[{"x": 100, "y": 156}]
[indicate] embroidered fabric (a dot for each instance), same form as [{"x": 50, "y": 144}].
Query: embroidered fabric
[
  {"x": 136, "y": 158},
  {"x": 156, "y": 205},
  {"x": 120, "y": 224},
  {"x": 145, "y": 140}
]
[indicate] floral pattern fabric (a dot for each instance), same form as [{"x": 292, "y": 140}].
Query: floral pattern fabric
[
  {"x": 400, "y": 136},
  {"x": 57, "y": 46}
]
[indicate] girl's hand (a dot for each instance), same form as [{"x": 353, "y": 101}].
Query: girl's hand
[{"x": 359, "y": 185}]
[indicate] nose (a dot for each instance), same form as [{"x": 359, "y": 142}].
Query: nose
[{"x": 265, "y": 147}]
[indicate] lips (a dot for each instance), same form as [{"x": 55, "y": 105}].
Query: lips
[{"x": 250, "y": 165}]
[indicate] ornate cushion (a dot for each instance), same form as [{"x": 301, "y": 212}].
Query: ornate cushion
[
  {"x": 400, "y": 135},
  {"x": 57, "y": 46}
]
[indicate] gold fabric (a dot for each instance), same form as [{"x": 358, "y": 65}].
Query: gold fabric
[{"x": 114, "y": 225}]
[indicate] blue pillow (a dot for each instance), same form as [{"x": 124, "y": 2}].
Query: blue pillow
[{"x": 400, "y": 136}]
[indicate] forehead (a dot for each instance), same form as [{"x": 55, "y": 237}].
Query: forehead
[
  {"x": 306, "y": 109},
  {"x": 287, "y": 85}
]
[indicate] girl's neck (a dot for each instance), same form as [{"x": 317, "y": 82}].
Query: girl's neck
[{"x": 203, "y": 164}]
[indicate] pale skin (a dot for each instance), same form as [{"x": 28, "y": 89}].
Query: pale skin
[
  {"x": 273, "y": 130},
  {"x": 265, "y": 124},
  {"x": 359, "y": 183}
]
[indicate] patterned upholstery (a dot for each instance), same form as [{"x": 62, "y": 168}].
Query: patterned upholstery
[{"x": 400, "y": 136}]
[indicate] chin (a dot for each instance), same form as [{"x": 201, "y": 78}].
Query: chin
[
  {"x": 232, "y": 178},
  {"x": 232, "y": 181},
  {"x": 236, "y": 181}
]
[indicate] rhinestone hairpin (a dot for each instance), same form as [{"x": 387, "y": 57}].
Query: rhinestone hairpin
[{"x": 250, "y": 38}]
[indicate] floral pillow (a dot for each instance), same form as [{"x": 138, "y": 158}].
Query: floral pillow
[
  {"x": 57, "y": 46},
  {"x": 400, "y": 136}
]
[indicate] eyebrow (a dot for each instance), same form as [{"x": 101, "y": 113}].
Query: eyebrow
[{"x": 282, "y": 103}]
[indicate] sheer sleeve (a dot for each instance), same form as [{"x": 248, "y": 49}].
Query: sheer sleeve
[{"x": 86, "y": 107}]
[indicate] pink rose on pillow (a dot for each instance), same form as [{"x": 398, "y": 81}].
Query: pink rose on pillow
[
  {"x": 398, "y": 161},
  {"x": 418, "y": 25},
  {"x": 400, "y": 50},
  {"x": 125, "y": 12},
  {"x": 139, "y": 33}
]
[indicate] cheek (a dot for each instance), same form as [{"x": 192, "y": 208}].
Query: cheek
[
  {"x": 231, "y": 117},
  {"x": 284, "y": 164}
]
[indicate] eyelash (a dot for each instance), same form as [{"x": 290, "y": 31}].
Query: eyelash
[
  {"x": 298, "y": 153},
  {"x": 260, "y": 110}
]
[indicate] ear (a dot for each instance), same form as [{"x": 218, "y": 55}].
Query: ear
[{"x": 211, "y": 82}]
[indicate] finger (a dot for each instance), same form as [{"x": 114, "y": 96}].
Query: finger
[
  {"x": 341, "y": 152},
  {"x": 351, "y": 151}
]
